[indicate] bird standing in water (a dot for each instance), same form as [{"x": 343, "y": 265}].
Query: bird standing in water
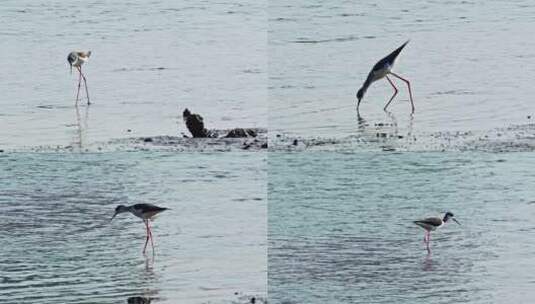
[
  {"x": 77, "y": 59},
  {"x": 145, "y": 212},
  {"x": 380, "y": 70},
  {"x": 432, "y": 224}
]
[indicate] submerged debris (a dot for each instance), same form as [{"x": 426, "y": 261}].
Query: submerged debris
[
  {"x": 240, "y": 132},
  {"x": 195, "y": 124},
  {"x": 138, "y": 300}
]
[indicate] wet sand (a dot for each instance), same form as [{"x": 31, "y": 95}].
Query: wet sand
[
  {"x": 376, "y": 137},
  {"x": 385, "y": 137},
  {"x": 161, "y": 143}
]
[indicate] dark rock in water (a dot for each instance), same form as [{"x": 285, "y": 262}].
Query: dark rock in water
[
  {"x": 147, "y": 139},
  {"x": 264, "y": 146},
  {"x": 296, "y": 142},
  {"x": 240, "y": 132},
  {"x": 195, "y": 124},
  {"x": 138, "y": 300}
]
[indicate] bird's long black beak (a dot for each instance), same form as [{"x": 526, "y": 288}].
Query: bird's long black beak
[
  {"x": 114, "y": 215},
  {"x": 456, "y": 221}
]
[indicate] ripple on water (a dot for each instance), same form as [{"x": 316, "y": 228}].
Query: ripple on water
[
  {"x": 361, "y": 234},
  {"x": 62, "y": 247}
]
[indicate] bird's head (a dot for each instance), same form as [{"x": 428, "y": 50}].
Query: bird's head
[
  {"x": 119, "y": 209},
  {"x": 71, "y": 58},
  {"x": 360, "y": 94},
  {"x": 449, "y": 216}
]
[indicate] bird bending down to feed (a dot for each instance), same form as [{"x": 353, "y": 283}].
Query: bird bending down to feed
[
  {"x": 145, "y": 212},
  {"x": 77, "y": 59},
  {"x": 380, "y": 70},
  {"x": 432, "y": 224}
]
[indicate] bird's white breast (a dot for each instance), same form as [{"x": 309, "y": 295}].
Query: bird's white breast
[
  {"x": 79, "y": 61},
  {"x": 381, "y": 73}
]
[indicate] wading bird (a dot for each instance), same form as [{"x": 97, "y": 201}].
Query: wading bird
[
  {"x": 432, "y": 224},
  {"x": 145, "y": 212},
  {"x": 77, "y": 59},
  {"x": 380, "y": 70}
]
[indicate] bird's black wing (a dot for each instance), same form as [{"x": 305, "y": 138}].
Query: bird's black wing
[
  {"x": 148, "y": 207},
  {"x": 390, "y": 58},
  {"x": 433, "y": 221}
]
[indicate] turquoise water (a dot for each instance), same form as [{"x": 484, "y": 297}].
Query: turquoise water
[
  {"x": 341, "y": 231},
  {"x": 58, "y": 245}
]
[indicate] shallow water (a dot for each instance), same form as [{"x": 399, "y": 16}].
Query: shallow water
[
  {"x": 150, "y": 60},
  {"x": 58, "y": 245},
  {"x": 341, "y": 231},
  {"x": 469, "y": 62}
]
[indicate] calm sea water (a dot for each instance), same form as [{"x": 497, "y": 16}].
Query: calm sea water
[
  {"x": 341, "y": 231},
  {"x": 470, "y": 64},
  {"x": 58, "y": 245},
  {"x": 150, "y": 60}
]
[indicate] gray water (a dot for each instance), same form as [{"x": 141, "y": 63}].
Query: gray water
[
  {"x": 58, "y": 245},
  {"x": 150, "y": 60},
  {"x": 341, "y": 231},
  {"x": 470, "y": 64}
]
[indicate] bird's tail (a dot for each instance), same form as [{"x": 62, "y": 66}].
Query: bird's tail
[{"x": 398, "y": 50}]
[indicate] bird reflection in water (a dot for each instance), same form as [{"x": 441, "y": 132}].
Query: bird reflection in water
[
  {"x": 383, "y": 130},
  {"x": 81, "y": 128},
  {"x": 428, "y": 263}
]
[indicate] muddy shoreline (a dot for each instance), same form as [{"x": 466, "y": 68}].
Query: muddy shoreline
[{"x": 515, "y": 138}]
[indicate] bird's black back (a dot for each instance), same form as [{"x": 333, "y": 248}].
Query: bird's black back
[
  {"x": 389, "y": 60},
  {"x": 432, "y": 221},
  {"x": 148, "y": 207}
]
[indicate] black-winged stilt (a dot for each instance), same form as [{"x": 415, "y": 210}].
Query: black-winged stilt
[
  {"x": 77, "y": 59},
  {"x": 145, "y": 212},
  {"x": 380, "y": 70},
  {"x": 432, "y": 224}
]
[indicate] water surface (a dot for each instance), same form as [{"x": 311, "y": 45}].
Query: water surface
[
  {"x": 58, "y": 245},
  {"x": 341, "y": 231},
  {"x": 150, "y": 60},
  {"x": 470, "y": 64}
]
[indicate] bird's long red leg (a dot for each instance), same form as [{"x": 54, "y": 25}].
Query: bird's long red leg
[
  {"x": 79, "y": 83},
  {"x": 409, "y": 86},
  {"x": 85, "y": 85},
  {"x": 428, "y": 241},
  {"x": 151, "y": 239},
  {"x": 148, "y": 234},
  {"x": 394, "y": 95}
]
